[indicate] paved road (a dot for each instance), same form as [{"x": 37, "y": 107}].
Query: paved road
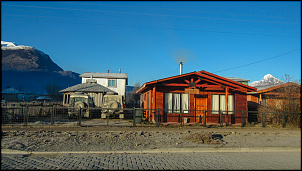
[{"x": 268, "y": 160}]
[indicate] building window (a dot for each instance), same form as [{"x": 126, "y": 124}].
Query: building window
[
  {"x": 112, "y": 83},
  {"x": 218, "y": 103},
  {"x": 176, "y": 103}
]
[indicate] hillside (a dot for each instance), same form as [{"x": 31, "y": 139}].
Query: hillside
[{"x": 30, "y": 70}]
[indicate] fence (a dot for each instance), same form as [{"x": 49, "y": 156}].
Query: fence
[{"x": 58, "y": 115}]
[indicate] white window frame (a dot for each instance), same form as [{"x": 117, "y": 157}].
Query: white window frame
[
  {"x": 176, "y": 103},
  {"x": 111, "y": 80},
  {"x": 218, "y": 103}
]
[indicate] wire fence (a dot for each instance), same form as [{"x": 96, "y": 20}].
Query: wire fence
[{"x": 59, "y": 115}]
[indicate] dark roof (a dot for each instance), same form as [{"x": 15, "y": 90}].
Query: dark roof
[{"x": 87, "y": 87}]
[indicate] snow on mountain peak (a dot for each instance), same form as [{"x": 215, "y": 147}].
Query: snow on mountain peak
[
  {"x": 12, "y": 46},
  {"x": 4, "y": 43},
  {"x": 268, "y": 79},
  {"x": 268, "y": 76}
]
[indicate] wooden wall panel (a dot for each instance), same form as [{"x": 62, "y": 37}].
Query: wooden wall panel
[{"x": 240, "y": 104}]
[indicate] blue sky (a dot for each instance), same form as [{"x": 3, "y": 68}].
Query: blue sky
[{"x": 148, "y": 39}]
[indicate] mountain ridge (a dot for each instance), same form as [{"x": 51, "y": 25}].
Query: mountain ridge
[{"x": 32, "y": 69}]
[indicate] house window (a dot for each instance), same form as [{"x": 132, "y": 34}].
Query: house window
[
  {"x": 176, "y": 102},
  {"x": 112, "y": 83},
  {"x": 218, "y": 103}
]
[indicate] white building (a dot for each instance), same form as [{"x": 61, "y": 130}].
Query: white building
[{"x": 114, "y": 81}]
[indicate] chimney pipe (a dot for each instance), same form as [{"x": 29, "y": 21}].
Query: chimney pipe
[
  {"x": 180, "y": 68},
  {"x": 120, "y": 70},
  {"x": 108, "y": 70}
]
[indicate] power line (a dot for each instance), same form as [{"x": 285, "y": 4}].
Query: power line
[
  {"x": 260, "y": 60},
  {"x": 180, "y": 10},
  {"x": 47, "y": 17},
  {"x": 139, "y": 13},
  {"x": 167, "y": 28},
  {"x": 162, "y": 18}
]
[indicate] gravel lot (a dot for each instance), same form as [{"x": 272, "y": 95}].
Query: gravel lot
[{"x": 56, "y": 139}]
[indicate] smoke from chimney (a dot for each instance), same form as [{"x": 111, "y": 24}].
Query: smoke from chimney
[{"x": 180, "y": 68}]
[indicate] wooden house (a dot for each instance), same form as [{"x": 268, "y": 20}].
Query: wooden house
[
  {"x": 191, "y": 94},
  {"x": 275, "y": 94}
]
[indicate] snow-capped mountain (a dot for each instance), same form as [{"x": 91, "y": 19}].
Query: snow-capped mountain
[
  {"x": 25, "y": 58},
  {"x": 31, "y": 69},
  {"x": 268, "y": 79},
  {"x": 13, "y": 46}
]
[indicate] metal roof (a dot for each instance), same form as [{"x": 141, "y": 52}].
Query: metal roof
[
  {"x": 236, "y": 79},
  {"x": 87, "y": 87},
  {"x": 104, "y": 75}
]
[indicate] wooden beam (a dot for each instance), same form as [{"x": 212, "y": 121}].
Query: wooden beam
[
  {"x": 175, "y": 84},
  {"x": 230, "y": 81},
  {"x": 213, "y": 88},
  {"x": 187, "y": 81},
  {"x": 241, "y": 89},
  {"x": 219, "y": 81},
  {"x": 226, "y": 101},
  {"x": 211, "y": 81},
  {"x": 197, "y": 81},
  {"x": 207, "y": 85}
]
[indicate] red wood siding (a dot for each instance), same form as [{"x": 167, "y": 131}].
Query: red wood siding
[
  {"x": 240, "y": 104},
  {"x": 207, "y": 83}
]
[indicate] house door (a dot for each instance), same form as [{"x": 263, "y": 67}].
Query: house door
[{"x": 200, "y": 105}]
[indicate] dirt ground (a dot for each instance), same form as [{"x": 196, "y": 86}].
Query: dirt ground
[{"x": 102, "y": 138}]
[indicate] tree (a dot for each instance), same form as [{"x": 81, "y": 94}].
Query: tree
[
  {"x": 52, "y": 90},
  {"x": 133, "y": 98}
]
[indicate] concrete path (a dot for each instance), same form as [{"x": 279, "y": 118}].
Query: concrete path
[{"x": 270, "y": 158}]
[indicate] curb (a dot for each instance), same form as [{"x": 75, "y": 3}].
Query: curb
[{"x": 166, "y": 150}]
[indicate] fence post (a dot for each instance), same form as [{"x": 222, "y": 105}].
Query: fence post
[
  {"x": 205, "y": 118},
  {"x": 24, "y": 115},
  {"x": 107, "y": 117},
  {"x": 158, "y": 116},
  {"x": 242, "y": 120},
  {"x": 263, "y": 119},
  {"x": 227, "y": 118},
  {"x": 283, "y": 120},
  {"x": 80, "y": 116},
  {"x": 52, "y": 115},
  {"x": 181, "y": 119},
  {"x": 134, "y": 115},
  {"x": 220, "y": 114}
]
